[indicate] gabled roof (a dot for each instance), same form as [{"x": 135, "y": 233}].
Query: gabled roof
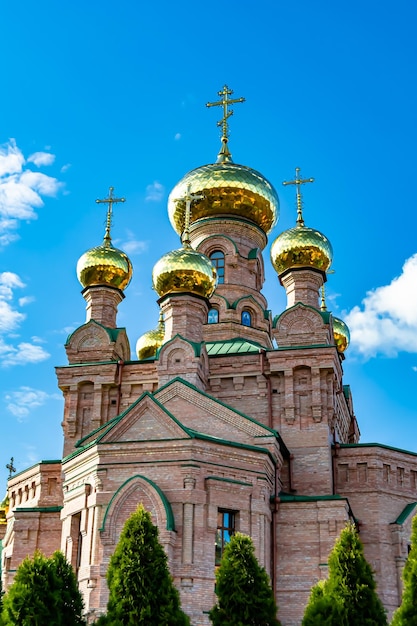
[{"x": 150, "y": 419}]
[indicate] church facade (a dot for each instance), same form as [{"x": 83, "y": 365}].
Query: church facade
[{"x": 229, "y": 418}]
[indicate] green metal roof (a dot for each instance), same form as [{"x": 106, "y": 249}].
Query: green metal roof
[
  {"x": 408, "y": 510},
  {"x": 233, "y": 346}
]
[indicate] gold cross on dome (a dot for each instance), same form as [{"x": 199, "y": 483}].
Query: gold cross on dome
[
  {"x": 298, "y": 182},
  {"x": 109, "y": 201},
  {"x": 188, "y": 198},
  {"x": 225, "y": 102},
  {"x": 11, "y": 467}
]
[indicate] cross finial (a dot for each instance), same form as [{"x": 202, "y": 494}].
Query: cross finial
[
  {"x": 109, "y": 201},
  {"x": 188, "y": 198},
  {"x": 225, "y": 102},
  {"x": 11, "y": 467},
  {"x": 298, "y": 182}
]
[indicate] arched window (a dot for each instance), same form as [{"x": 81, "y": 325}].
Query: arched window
[
  {"x": 246, "y": 318},
  {"x": 217, "y": 258},
  {"x": 213, "y": 316}
]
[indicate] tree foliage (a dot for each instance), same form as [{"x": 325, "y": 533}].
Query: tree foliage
[
  {"x": 406, "y": 615},
  {"x": 44, "y": 591},
  {"x": 141, "y": 588},
  {"x": 244, "y": 595},
  {"x": 348, "y": 597}
]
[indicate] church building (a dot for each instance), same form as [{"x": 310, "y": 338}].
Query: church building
[{"x": 230, "y": 417}]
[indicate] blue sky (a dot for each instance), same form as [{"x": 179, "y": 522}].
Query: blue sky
[{"x": 101, "y": 93}]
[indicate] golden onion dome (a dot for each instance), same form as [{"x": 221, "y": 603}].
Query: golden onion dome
[
  {"x": 341, "y": 334},
  {"x": 228, "y": 189},
  {"x": 184, "y": 271},
  {"x": 147, "y": 345},
  {"x": 301, "y": 247},
  {"x": 104, "y": 265}
]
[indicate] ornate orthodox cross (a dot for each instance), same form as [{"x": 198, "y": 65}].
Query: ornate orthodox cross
[
  {"x": 188, "y": 198},
  {"x": 225, "y": 102},
  {"x": 298, "y": 182},
  {"x": 109, "y": 201},
  {"x": 11, "y": 467}
]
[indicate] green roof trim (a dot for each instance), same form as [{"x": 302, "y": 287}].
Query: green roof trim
[
  {"x": 312, "y": 346},
  {"x": 223, "y": 298},
  {"x": 249, "y": 297},
  {"x": 287, "y": 497},
  {"x": 39, "y": 509},
  {"x": 253, "y": 254},
  {"x": 273, "y": 432},
  {"x": 52, "y": 462},
  {"x": 223, "y": 237},
  {"x": 195, "y": 345},
  {"x": 221, "y": 479},
  {"x": 232, "y": 444},
  {"x": 113, "y": 333},
  {"x": 376, "y": 445},
  {"x": 325, "y": 315},
  {"x": 233, "y": 346},
  {"x": 170, "y": 525},
  {"x": 105, "y": 428},
  {"x": 406, "y": 512}
]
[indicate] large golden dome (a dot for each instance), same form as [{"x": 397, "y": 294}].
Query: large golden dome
[
  {"x": 341, "y": 334},
  {"x": 147, "y": 345},
  {"x": 228, "y": 189},
  {"x": 184, "y": 271},
  {"x": 301, "y": 247},
  {"x": 104, "y": 265}
]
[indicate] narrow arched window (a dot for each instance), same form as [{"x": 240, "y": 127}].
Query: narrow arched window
[
  {"x": 213, "y": 316},
  {"x": 217, "y": 258},
  {"x": 246, "y": 318}
]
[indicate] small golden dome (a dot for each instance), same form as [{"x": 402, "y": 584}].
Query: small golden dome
[
  {"x": 104, "y": 265},
  {"x": 341, "y": 334},
  {"x": 301, "y": 247},
  {"x": 147, "y": 345},
  {"x": 228, "y": 189},
  {"x": 184, "y": 271}
]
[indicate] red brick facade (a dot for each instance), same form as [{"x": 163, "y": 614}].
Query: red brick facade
[{"x": 220, "y": 420}]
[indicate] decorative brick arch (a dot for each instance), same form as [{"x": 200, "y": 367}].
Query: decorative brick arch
[{"x": 136, "y": 490}]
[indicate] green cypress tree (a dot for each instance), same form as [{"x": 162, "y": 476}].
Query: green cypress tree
[
  {"x": 244, "y": 595},
  {"x": 141, "y": 588},
  {"x": 44, "y": 591},
  {"x": 406, "y": 615},
  {"x": 348, "y": 597}
]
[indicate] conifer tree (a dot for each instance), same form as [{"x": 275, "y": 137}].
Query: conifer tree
[
  {"x": 44, "y": 591},
  {"x": 406, "y": 615},
  {"x": 348, "y": 597},
  {"x": 141, "y": 588},
  {"x": 244, "y": 595}
]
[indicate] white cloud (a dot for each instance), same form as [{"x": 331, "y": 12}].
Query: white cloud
[
  {"x": 22, "y": 354},
  {"x": 20, "y": 403},
  {"x": 11, "y": 159},
  {"x": 10, "y": 320},
  {"x": 26, "y": 300},
  {"x": 154, "y": 192},
  {"x": 65, "y": 168},
  {"x": 386, "y": 322},
  {"x": 41, "y": 158},
  {"x": 133, "y": 246},
  {"x": 21, "y": 189},
  {"x": 177, "y": 136},
  {"x": 414, "y": 368}
]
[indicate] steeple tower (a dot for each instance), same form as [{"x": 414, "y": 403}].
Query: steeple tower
[
  {"x": 104, "y": 272},
  {"x": 301, "y": 255}
]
